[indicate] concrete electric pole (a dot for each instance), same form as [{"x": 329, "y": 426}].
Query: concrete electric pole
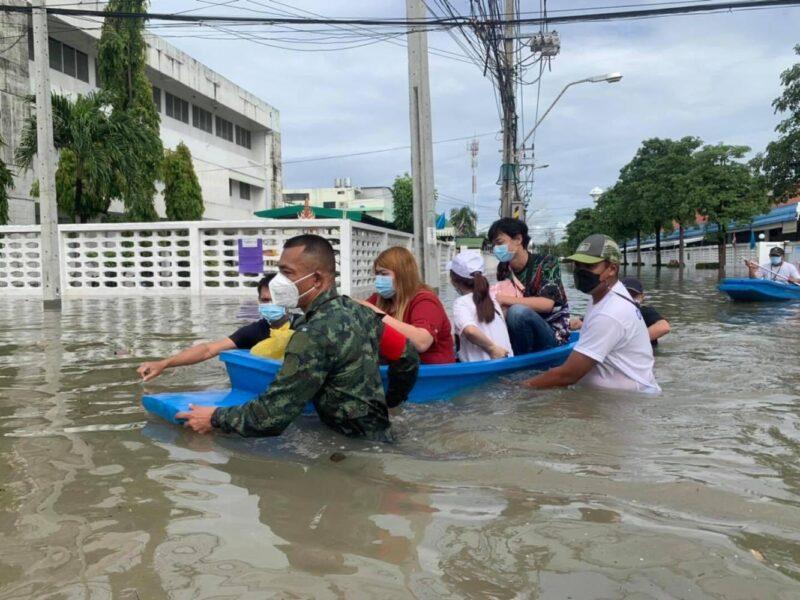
[
  {"x": 508, "y": 171},
  {"x": 421, "y": 145},
  {"x": 46, "y": 160}
]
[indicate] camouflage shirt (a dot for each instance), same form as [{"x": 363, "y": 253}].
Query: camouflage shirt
[{"x": 331, "y": 360}]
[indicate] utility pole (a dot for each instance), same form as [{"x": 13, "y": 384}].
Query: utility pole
[
  {"x": 421, "y": 145},
  {"x": 46, "y": 160},
  {"x": 508, "y": 171}
]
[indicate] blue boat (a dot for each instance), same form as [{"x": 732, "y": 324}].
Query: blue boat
[
  {"x": 251, "y": 375},
  {"x": 759, "y": 290}
]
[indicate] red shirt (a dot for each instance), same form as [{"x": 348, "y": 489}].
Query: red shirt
[{"x": 427, "y": 312}]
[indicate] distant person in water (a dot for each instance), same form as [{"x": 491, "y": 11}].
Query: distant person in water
[
  {"x": 776, "y": 269},
  {"x": 332, "y": 360},
  {"x": 244, "y": 338},
  {"x": 477, "y": 317},
  {"x": 657, "y": 326},
  {"x": 411, "y": 307},
  {"x": 529, "y": 289},
  {"x": 614, "y": 349}
]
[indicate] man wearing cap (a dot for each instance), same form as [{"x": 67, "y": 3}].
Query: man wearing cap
[
  {"x": 614, "y": 348},
  {"x": 776, "y": 269}
]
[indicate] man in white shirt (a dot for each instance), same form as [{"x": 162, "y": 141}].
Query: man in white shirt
[
  {"x": 776, "y": 269},
  {"x": 614, "y": 349}
]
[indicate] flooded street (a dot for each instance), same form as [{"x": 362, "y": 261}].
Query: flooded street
[{"x": 502, "y": 493}]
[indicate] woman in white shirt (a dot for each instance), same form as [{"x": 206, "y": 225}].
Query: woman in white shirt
[{"x": 477, "y": 318}]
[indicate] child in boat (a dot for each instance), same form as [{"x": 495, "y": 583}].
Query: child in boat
[
  {"x": 280, "y": 331},
  {"x": 477, "y": 317}
]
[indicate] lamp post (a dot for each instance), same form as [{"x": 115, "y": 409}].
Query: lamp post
[{"x": 608, "y": 77}]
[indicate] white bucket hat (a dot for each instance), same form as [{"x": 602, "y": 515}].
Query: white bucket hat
[{"x": 464, "y": 264}]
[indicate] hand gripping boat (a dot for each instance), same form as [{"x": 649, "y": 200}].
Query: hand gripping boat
[
  {"x": 251, "y": 375},
  {"x": 759, "y": 290}
]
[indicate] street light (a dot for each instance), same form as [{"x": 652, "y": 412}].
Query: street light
[{"x": 609, "y": 77}]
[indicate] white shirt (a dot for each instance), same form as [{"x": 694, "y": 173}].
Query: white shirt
[
  {"x": 767, "y": 271},
  {"x": 614, "y": 335},
  {"x": 465, "y": 313}
]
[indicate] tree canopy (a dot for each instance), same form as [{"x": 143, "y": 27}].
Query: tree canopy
[
  {"x": 781, "y": 163},
  {"x": 121, "y": 65},
  {"x": 464, "y": 221},
  {"x": 182, "y": 194},
  {"x": 403, "y": 199}
]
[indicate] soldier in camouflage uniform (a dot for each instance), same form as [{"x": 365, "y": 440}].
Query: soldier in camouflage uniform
[{"x": 331, "y": 360}]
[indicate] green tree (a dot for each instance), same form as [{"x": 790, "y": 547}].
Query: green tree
[
  {"x": 182, "y": 194},
  {"x": 727, "y": 189},
  {"x": 121, "y": 65},
  {"x": 781, "y": 164},
  {"x": 619, "y": 215},
  {"x": 6, "y": 183},
  {"x": 403, "y": 200},
  {"x": 582, "y": 225},
  {"x": 91, "y": 144},
  {"x": 464, "y": 221}
]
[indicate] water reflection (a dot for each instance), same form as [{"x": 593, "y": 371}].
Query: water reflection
[{"x": 501, "y": 493}]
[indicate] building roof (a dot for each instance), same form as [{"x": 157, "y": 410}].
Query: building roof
[{"x": 293, "y": 212}]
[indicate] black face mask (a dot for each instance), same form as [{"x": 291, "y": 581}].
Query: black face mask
[{"x": 586, "y": 281}]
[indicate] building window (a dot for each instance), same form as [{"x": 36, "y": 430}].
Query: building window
[
  {"x": 329, "y": 205},
  {"x": 82, "y": 66},
  {"x": 175, "y": 107},
  {"x": 243, "y": 136},
  {"x": 201, "y": 118},
  {"x": 55, "y": 54},
  {"x": 292, "y": 198},
  {"x": 68, "y": 60},
  {"x": 230, "y": 187},
  {"x": 224, "y": 129},
  {"x": 244, "y": 190},
  {"x": 68, "y": 55},
  {"x": 157, "y": 98}
]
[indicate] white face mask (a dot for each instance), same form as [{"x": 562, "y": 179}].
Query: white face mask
[{"x": 284, "y": 291}]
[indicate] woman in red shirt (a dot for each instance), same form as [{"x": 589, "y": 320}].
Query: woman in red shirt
[{"x": 411, "y": 307}]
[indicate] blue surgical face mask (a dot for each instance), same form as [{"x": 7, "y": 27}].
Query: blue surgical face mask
[
  {"x": 502, "y": 253},
  {"x": 384, "y": 285},
  {"x": 272, "y": 312},
  {"x": 775, "y": 260}
]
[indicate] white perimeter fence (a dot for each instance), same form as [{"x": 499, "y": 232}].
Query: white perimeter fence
[
  {"x": 735, "y": 254},
  {"x": 197, "y": 257}
]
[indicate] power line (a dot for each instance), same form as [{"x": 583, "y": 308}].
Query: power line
[{"x": 441, "y": 23}]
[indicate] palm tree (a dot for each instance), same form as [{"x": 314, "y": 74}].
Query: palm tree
[
  {"x": 87, "y": 136},
  {"x": 464, "y": 221}
]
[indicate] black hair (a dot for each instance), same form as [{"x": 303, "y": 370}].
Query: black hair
[
  {"x": 512, "y": 228},
  {"x": 479, "y": 287},
  {"x": 264, "y": 282},
  {"x": 318, "y": 248}
]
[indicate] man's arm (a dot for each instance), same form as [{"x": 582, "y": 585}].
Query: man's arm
[
  {"x": 571, "y": 372},
  {"x": 188, "y": 356},
  {"x": 752, "y": 269},
  {"x": 304, "y": 370},
  {"x": 403, "y": 360},
  {"x": 658, "y": 329},
  {"x": 537, "y": 303}
]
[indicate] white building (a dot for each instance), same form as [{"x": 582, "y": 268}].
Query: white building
[
  {"x": 375, "y": 201},
  {"x": 234, "y": 136}
]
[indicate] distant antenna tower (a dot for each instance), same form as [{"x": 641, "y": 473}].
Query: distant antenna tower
[{"x": 472, "y": 148}]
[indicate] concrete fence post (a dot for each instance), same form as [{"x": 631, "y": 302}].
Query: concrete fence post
[{"x": 345, "y": 257}]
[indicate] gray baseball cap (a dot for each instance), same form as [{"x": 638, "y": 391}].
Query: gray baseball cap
[{"x": 596, "y": 248}]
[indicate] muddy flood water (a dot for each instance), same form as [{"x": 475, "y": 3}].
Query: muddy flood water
[{"x": 501, "y": 493}]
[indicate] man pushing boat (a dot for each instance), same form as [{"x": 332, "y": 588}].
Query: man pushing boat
[
  {"x": 776, "y": 269},
  {"x": 331, "y": 360}
]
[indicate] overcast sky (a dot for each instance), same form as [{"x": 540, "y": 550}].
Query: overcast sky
[{"x": 712, "y": 76}]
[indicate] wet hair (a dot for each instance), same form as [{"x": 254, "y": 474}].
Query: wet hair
[
  {"x": 479, "y": 287},
  {"x": 407, "y": 280},
  {"x": 512, "y": 228},
  {"x": 264, "y": 283},
  {"x": 317, "y": 248}
]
